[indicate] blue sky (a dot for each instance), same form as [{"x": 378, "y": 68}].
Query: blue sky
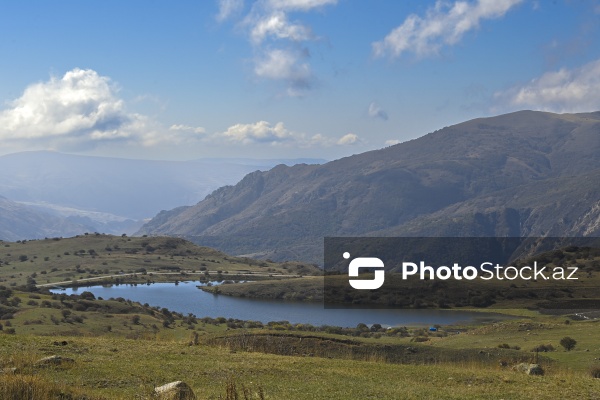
[{"x": 282, "y": 78}]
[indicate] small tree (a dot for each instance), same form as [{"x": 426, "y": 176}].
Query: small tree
[{"x": 568, "y": 343}]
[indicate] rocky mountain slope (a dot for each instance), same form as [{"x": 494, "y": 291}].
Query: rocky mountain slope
[{"x": 524, "y": 173}]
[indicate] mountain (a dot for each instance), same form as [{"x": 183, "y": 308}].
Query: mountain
[
  {"x": 18, "y": 222},
  {"x": 521, "y": 174},
  {"x": 114, "y": 195}
]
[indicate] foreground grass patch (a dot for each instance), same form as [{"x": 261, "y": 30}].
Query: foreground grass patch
[{"x": 126, "y": 369}]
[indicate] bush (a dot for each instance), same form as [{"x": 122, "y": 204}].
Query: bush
[
  {"x": 568, "y": 343},
  {"x": 595, "y": 371},
  {"x": 543, "y": 348}
]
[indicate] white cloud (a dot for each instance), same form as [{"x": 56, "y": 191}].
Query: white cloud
[
  {"x": 391, "y": 142},
  {"x": 278, "y": 26},
  {"x": 265, "y": 133},
  {"x": 565, "y": 90},
  {"x": 187, "y": 128},
  {"x": 286, "y": 66},
  {"x": 81, "y": 103},
  {"x": 299, "y": 5},
  {"x": 80, "y": 110},
  {"x": 376, "y": 112},
  {"x": 278, "y": 42},
  {"x": 443, "y": 24},
  {"x": 347, "y": 139},
  {"x": 228, "y": 8},
  {"x": 259, "y": 132}
]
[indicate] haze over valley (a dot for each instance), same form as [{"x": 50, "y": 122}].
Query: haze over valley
[{"x": 53, "y": 194}]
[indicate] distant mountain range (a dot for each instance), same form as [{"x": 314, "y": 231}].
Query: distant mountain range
[
  {"x": 76, "y": 194},
  {"x": 521, "y": 174},
  {"x": 18, "y": 222}
]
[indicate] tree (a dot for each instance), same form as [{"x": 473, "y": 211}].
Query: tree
[{"x": 568, "y": 343}]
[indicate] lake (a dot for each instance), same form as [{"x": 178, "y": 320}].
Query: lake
[{"x": 186, "y": 298}]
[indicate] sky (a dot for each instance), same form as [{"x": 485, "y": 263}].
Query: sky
[{"x": 185, "y": 80}]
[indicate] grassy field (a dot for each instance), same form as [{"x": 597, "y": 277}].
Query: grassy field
[
  {"x": 99, "y": 258},
  {"x": 122, "y": 349},
  {"x": 127, "y": 369}
]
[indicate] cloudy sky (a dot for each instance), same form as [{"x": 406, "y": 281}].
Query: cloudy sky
[{"x": 282, "y": 78}]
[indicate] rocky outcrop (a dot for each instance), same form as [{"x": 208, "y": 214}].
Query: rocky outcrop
[{"x": 177, "y": 390}]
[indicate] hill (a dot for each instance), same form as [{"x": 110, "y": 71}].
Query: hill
[
  {"x": 99, "y": 258},
  {"x": 520, "y": 174}
]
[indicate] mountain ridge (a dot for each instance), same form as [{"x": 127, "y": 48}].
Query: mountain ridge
[{"x": 382, "y": 191}]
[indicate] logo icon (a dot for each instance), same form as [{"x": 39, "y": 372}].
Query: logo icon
[{"x": 365, "y": 262}]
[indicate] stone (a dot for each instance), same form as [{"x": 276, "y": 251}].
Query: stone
[{"x": 177, "y": 390}]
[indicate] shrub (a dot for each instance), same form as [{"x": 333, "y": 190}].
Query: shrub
[
  {"x": 543, "y": 348},
  {"x": 568, "y": 343}
]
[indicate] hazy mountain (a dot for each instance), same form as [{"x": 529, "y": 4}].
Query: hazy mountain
[
  {"x": 524, "y": 173},
  {"x": 18, "y": 222},
  {"x": 114, "y": 195}
]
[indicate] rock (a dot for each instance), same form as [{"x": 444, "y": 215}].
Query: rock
[
  {"x": 535, "y": 369},
  {"x": 53, "y": 360},
  {"x": 530, "y": 369},
  {"x": 521, "y": 367},
  {"x": 177, "y": 390}
]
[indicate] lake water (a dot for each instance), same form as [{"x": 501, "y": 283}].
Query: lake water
[{"x": 187, "y": 298}]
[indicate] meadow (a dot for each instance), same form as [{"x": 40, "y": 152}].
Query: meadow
[{"x": 119, "y": 349}]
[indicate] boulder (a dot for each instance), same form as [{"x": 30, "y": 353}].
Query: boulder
[
  {"x": 530, "y": 369},
  {"x": 177, "y": 390},
  {"x": 535, "y": 369}
]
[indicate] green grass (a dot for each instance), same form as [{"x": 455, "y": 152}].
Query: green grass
[
  {"x": 152, "y": 259},
  {"x": 132, "y": 359},
  {"x": 124, "y": 369},
  {"x": 123, "y": 349}
]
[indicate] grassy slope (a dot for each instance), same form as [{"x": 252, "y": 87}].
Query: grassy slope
[
  {"x": 58, "y": 260},
  {"x": 130, "y": 359},
  {"x": 122, "y": 369}
]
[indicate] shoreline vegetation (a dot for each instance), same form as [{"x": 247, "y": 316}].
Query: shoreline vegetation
[{"x": 120, "y": 349}]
